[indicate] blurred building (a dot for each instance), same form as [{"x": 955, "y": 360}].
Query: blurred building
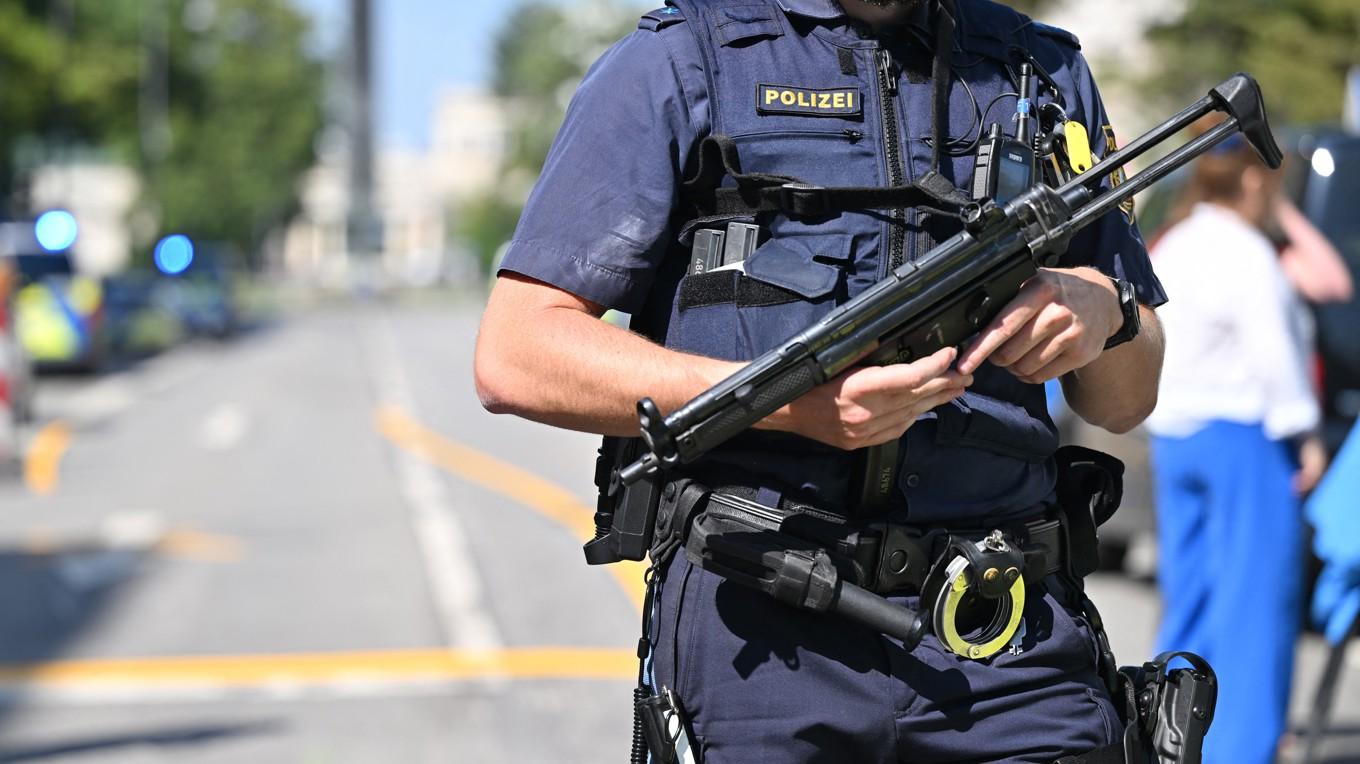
[
  {"x": 469, "y": 139},
  {"x": 416, "y": 191},
  {"x": 101, "y": 196},
  {"x": 1113, "y": 39}
]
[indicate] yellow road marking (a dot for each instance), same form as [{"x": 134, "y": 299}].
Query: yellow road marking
[
  {"x": 547, "y": 498},
  {"x": 42, "y": 463},
  {"x": 247, "y": 671},
  {"x": 196, "y": 545}
]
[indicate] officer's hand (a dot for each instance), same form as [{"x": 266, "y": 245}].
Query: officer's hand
[
  {"x": 1059, "y": 322},
  {"x": 873, "y": 405}
]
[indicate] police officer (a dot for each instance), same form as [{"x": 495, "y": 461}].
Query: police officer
[{"x": 838, "y": 94}]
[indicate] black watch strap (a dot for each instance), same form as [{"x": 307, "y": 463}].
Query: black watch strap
[{"x": 1128, "y": 305}]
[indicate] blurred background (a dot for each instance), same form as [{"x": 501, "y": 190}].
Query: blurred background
[{"x": 250, "y": 507}]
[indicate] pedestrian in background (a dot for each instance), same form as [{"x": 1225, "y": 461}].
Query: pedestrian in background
[{"x": 1233, "y": 448}]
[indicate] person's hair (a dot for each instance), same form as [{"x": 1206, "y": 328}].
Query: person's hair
[{"x": 1217, "y": 175}]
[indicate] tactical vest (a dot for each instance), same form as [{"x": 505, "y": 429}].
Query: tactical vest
[{"x": 831, "y": 106}]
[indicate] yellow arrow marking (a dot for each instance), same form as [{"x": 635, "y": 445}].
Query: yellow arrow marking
[{"x": 42, "y": 463}]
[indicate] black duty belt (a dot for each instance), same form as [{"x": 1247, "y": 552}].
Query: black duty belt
[
  {"x": 816, "y": 560},
  {"x": 890, "y": 558}
]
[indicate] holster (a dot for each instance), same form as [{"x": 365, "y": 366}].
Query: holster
[
  {"x": 1090, "y": 487},
  {"x": 625, "y": 515},
  {"x": 1168, "y": 712}
]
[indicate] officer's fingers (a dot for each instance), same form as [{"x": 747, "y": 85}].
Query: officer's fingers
[
  {"x": 1049, "y": 322},
  {"x": 1012, "y": 318},
  {"x": 949, "y": 382},
  {"x": 896, "y": 426},
  {"x": 1043, "y": 353},
  {"x": 897, "y": 377},
  {"x": 1064, "y": 363}
]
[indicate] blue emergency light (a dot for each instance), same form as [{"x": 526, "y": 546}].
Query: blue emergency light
[
  {"x": 174, "y": 254},
  {"x": 56, "y": 230}
]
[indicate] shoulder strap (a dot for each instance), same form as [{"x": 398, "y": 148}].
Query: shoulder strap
[{"x": 694, "y": 12}]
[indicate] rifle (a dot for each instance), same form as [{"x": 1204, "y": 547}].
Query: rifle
[{"x": 937, "y": 301}]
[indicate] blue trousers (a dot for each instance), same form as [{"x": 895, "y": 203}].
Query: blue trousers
[
  {"x": 764, "y": 682},
  {"x": 1230, "y": 566}
]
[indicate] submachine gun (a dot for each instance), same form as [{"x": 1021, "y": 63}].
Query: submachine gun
[{"x": 937, "y": 301}]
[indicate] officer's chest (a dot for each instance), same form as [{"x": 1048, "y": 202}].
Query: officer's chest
[{"x": 832, "y": 108}]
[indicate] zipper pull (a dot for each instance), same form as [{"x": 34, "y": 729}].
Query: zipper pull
[
  {"x": 853, "y": 135},
  {"x": 887, "y": 71}
]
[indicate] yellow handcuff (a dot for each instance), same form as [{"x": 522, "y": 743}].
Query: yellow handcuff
[{"x": 960, "y": 581}]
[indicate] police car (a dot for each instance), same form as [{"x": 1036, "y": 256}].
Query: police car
[{"x": 59, "y": 314}]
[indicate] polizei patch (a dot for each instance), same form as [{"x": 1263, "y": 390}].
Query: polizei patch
[{"x": 811, "y": 102}]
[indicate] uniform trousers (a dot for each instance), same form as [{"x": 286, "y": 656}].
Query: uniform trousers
[
  {"x": 766, "y": 682},
  {"x": 1230, "y": 566}
]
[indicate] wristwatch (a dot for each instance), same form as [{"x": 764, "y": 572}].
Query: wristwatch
[{"x": 1128, "y": 305}]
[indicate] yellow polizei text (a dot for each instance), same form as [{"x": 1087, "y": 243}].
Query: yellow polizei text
[{"x": 775, "y": 98}]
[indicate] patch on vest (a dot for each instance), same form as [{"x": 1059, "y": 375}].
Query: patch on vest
[
  {"x": 1118, "y": 176},
  {"x": 811, "y": 102}
]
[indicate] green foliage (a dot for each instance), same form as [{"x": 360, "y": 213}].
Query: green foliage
[
  {"x": 485, "y": 223},
  {"x": 242, "y": 103},
  {"x": 1300, "y": 50},
  {"x": 1032, "y": 8},
  {"x": 245, "y": 110}
]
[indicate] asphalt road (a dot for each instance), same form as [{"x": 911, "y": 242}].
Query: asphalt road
[{"x": 312, "y": 545}]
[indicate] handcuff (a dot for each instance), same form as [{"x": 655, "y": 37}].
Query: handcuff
[{"x": 990, "y": 570}]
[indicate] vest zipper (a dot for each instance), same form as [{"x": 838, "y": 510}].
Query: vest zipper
[{"x": 887, "y": 87}]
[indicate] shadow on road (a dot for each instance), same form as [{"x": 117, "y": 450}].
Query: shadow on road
[
  {"x": 164, "y": 738},
  {"x": 49, "y": 596}
]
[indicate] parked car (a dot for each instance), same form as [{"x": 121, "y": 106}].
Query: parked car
[
  {"x": 203, "y": 295},
  {"x": 59, "y": 314},
  {"x": 1324, "y": 181},
  {"x": 140, "y": 323}
]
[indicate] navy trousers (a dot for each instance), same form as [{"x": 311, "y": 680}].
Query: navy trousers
[
  {"x": 765, "y": 682},
  {"x": 1230, "y": 567}
]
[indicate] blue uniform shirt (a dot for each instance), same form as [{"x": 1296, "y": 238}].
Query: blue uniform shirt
[{"x": 603, "y": 219}]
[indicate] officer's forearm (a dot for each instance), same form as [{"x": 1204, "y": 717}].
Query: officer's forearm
[
  {"x": 1118, "y": 390},
  {"x": 542, "y": 354}
]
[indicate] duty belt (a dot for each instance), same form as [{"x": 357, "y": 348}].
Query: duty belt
[
  {"x": 890, "y": 558},
  {"x": 814, "y": 560}
]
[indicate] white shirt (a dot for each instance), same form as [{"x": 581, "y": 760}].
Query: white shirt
[{"x": 1237, "y": 336}]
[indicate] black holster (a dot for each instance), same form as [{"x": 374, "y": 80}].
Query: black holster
[
  {"x": 625, "y": 515},
  {"x": 1090, "y": 487}
]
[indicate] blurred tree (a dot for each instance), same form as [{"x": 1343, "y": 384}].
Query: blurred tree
[
  {"x": 1300, "y": 50},
  {"x": 244, "y": 113},
  {"x": 1033, "y": 8},
  {"x": 539, "y": 58},
  {"x": 216, "y": 102}
]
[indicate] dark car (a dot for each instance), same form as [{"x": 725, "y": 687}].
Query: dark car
[
  {"x": 203, "y": 295},
  {"x": 1324, "y": 181}
]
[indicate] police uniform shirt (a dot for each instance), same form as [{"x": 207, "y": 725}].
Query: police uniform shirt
[{"x": 602, "y": 220}]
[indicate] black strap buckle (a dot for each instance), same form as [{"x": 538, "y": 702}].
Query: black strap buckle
[{"x": 804, "y": 199}]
